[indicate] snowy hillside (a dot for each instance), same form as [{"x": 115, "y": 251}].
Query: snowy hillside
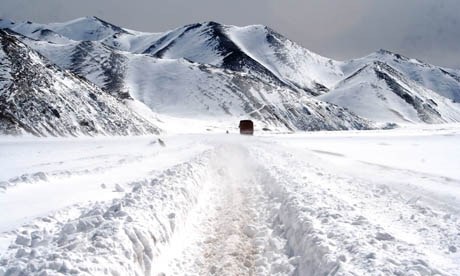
[
  {"x": 92, "y": 60},
  {"x": 290, "y": 62},
  {"x": 443, "y": 81},
  {"x": 42, "y": 99},
  {"x": 208, "y": 69},
  {"x": 178, "y": 87},
  {"x": 255, "y": 49},
  {"x": 185, "y": 89},
  {"x": 381, "y": 93},
  {"x": 81, "y": 29},
  {"x": 192, "y": 90}
]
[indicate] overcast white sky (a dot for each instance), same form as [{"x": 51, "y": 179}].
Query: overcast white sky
[{"x": 340, "y": 29}]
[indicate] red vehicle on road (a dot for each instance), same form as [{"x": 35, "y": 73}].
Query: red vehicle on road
[{"x": 246, "y": 127}]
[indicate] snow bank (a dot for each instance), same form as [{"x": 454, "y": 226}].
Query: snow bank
[
  {"x": 343, "y": 216},
  {"x": 120, "y": 238}
]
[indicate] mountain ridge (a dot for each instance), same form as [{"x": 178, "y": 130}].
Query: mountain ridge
[
  {"x": 219, "y": 62},
  {"x": 393, "y": 94}
]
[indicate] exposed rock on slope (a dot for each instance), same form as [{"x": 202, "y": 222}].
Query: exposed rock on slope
[
  {"x": 40, "y": 98},
  {"x": 382, "y": 93},
  {"x": 443, "y": 81}
]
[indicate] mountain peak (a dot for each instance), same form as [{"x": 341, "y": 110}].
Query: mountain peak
[
  {"x": 102, "y": 21},
  {"x": 90, "y": 18},
  {"x": 203, "y": 24},
  {"x": 6, "y": 23},
  {"x": 384, "y": 52},
  {"x": 93, "y": 19},
  {"x": 211, "y": 23}
]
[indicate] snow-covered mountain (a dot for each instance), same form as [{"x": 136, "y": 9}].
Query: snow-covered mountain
[
  {"x": 40, "y": 98},
  {"x": 381, "y": 93},
  {"x": 255, "y": 49},
  {"x": 443, "y": 81},
  {"x": 81, "y": 29},
  {"x": 208, "y": 70},
  {"x": 188, "y": 89},
  {"x": 183, "y": 87}
]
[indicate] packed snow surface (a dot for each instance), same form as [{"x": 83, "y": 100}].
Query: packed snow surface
[{"x": 324, "y": 203}]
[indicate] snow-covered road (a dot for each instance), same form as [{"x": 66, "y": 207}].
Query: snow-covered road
[{"x": 335, "y": 203}]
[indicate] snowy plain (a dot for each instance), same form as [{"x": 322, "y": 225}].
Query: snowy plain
[{"x": 382, "y": 202}]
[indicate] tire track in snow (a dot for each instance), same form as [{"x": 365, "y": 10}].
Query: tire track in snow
[
  {"x": 228, "y": 249},
  {"x": 231, "y": 232},
  {"x": 338, "y": 225},
  {"x": 217, "y": 195}
]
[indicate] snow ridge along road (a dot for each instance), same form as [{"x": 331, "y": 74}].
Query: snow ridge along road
[{"x": 230, "y": 205}]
